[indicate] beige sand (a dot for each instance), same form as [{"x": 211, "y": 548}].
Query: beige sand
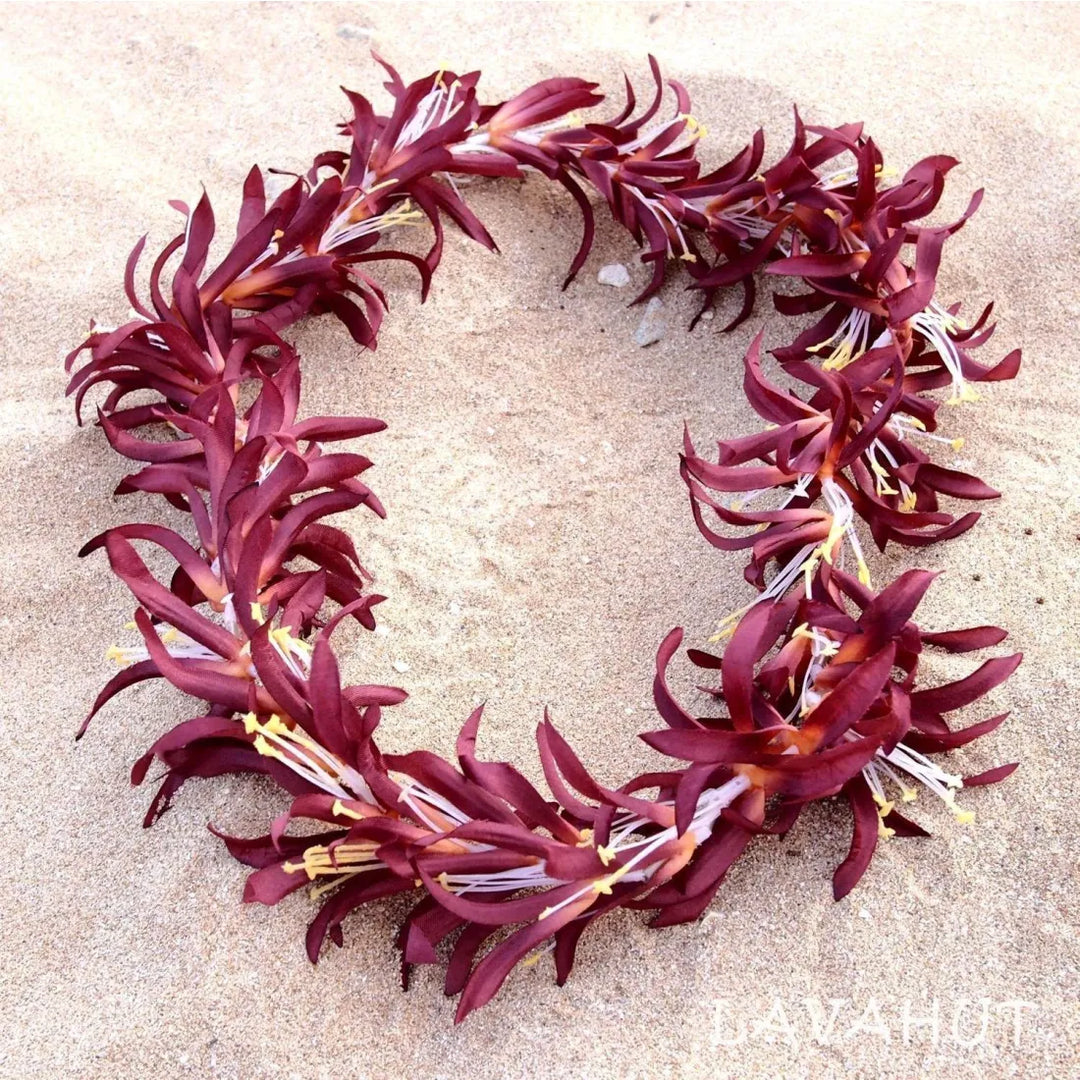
[{"x": 538, "y": 548}]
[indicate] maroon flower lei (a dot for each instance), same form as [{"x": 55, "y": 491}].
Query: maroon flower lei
[{"x": 819, "y": 673}]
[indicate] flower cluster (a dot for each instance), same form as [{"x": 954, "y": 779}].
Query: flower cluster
[{"x": 820, "y": 679}]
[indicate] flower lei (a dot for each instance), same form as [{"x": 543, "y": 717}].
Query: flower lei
[{"x": 819, "y": 676}]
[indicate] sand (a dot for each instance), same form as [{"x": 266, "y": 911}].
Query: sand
[{"x": 538, "y": 548}]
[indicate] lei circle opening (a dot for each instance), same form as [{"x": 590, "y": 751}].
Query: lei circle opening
[{"x": 819, "y": 673}]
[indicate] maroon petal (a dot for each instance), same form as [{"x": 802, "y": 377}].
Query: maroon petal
[{"x": 864, "y": 838}]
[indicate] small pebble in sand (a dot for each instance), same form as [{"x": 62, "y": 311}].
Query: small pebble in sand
[
  {"x": 352, "y": 32},
  {"x": 614, "y": 274},
  {"x": 400, "y": 666},
  {"x": 653, "y": 325}
]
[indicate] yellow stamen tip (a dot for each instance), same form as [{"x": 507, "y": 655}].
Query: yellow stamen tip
[
  {"x": 276, "y": 726},
  {"x": 339, "y": 809},
  {"x": 263, "y": 747},
  {"x": 965, "y": 394}
]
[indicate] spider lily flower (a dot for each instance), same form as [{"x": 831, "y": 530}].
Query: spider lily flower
[
  {"x": 846, "y": 453},
  {"x": 395, "y": 163},
  {"x": 253, "y": 468},
  {"x": 243, "y": 565},
  {"x": 634, "y": 163},
  {"x": 525, "y": 127},
  {"x": 301, "y": 254},
  {"x": 637, "y": 167},
  {"x": 470, "y": 838},
  {"x": 752, "y": 216},
  {"x": 776, "y": 499},
  {"x": 277, "y": 706},
  {"x": 830, "y": 691},
  {"x": 280, "y": 268},
  {"x": 180, "y": 350},
  {"x": 874, "y": 297},
  {"x": 399, "y": 171}
]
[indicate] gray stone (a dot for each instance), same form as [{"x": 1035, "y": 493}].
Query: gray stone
[
  {"x": 352, "y": 32},
  {"x": 614, "y": 274},
  {"x": 653, "y": 325}
]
